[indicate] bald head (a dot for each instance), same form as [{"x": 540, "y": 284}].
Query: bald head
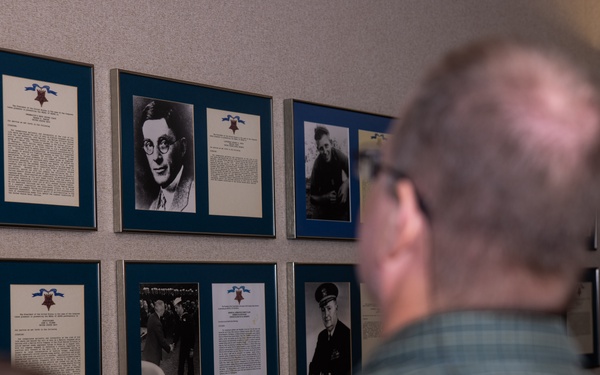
[{"x": 501, "y": 141}]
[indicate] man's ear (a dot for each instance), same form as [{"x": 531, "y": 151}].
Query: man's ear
[
  {"x": 183, "y": 142},
  {"x": 405, "y": 264},
  {"x": 409, "y": 221}
]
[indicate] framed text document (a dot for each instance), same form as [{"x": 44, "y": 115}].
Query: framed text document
[
  {"x": 51, "y": 315},
  {"x": 47, "y": 169}
]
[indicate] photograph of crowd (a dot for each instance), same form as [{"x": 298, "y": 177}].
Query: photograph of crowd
[{"x": 170, "y": 330}]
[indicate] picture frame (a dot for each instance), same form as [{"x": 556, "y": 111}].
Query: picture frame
[
  {"x": 234, "y": 300},
  {"x": 211, "y": 171},
  {"x": 593, "y": 237},
  {"x": 47, "y": 109},
  {"x": 324, "y": 194},
  {"x": 581, "y": 318},
  {"x": 335, "y": 291},
  {"x": 46, "y": 302}
]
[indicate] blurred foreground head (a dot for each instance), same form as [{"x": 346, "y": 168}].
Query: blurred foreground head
[
  {"x": 487, "y": 190},
  {"x": 7, "y": 369}
]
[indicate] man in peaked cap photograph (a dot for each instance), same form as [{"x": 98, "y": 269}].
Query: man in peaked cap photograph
[{"x": 332, "y": 354}]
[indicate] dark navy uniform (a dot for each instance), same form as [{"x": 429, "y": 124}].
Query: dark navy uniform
[
  {"x": 333, "y": 353},
  {"x": 185, "y": 333}
]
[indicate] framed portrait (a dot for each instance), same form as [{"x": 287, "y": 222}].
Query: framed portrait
[
  {"x": 334, "y": 323},
  {"x": 582, "y": 318},
  {"x": 48, "y": 164},
  {"x": 190, "y": 158},
  {"x": 197, "y": 318},
  {"x": 325, "y": 196},
  {"x": 51, "y": 315}
]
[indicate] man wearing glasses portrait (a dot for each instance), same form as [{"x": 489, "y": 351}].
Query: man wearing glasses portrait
[{"x": 165, "y": 180}]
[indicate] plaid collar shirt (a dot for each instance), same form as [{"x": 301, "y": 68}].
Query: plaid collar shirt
[{"x": 478, "y": 342}]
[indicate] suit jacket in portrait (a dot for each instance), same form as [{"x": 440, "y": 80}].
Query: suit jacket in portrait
[
  {"x": 332, "y": 355},
  {"x": 155, "y": 341},
  {"x": 184, "y": 199}
]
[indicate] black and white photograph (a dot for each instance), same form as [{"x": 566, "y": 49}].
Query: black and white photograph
[
  {"x": 169, "y": 329},
  {"x": 326, "y": 149},
  {"x": 164, "y": 155},
  {"x": 328, "y": 336}
]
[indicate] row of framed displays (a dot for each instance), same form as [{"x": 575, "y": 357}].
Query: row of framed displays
[
  {"x": 187, "y": 158},
  {"x": 210, "y": 318}
]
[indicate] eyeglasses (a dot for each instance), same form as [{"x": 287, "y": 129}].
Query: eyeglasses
[
  {"x": 163, "y": 146},
  {"x": 370, "y": 165}
]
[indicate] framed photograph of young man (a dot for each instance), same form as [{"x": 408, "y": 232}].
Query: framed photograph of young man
[
  {"x": 48, "y": 164},
  {"x": 190, "y": 158},
  {"x": 327, "y": 164},
  {"x": 324, "y": 193},
  {"x": 163, "y": 131}
]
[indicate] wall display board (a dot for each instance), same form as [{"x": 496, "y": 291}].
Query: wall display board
[
  {"x": 51, "y": 315},
  {"x": 210, "y": 318},
  {"x": 190, "y": 158},
  {"x": 47, "y": 169},
  {"x": 324, "y": 299},
  {"x": 582, "y": 318},
  {"x": 324, "y": 194}
]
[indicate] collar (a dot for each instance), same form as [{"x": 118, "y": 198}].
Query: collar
[
  {"x": 470, "y": 337},
  {"x": 169, "y": 191},
  {"x": 330, "y": 333}
]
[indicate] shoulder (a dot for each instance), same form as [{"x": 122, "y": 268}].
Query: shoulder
[
  {"x": 187, "y": 179},
  {"x": 153, "y": 319},
  {"x": 342, "y": 327},
  {"x": 322, "y": 335},
  {"x": 339, "y": 155},
  {"x": 154, "y": 204},
  {"x": 318, "y": 162}
]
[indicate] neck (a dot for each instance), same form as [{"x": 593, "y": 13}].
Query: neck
[
  {"x": 172, "y": 185},
  {"x": 405, "y": 298},
  {"x": 401, "y": 315},
  {"x": 332, "y": 328},
  {"x": 508, "y": 290}
]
